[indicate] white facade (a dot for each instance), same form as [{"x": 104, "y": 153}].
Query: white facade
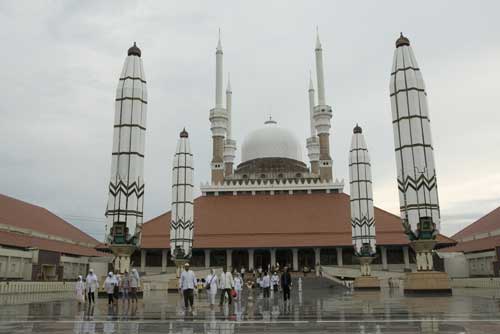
[
  {"x": 126, "y": 189},
  {"x": 360, "y": 177},
  {"x": 418, "y": 195},
  {"x": 182, "y": 215}
]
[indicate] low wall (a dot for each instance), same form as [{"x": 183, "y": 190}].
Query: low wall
[
  {"x": 35, "y": 287},
  {"x": 481, "y": 282}
]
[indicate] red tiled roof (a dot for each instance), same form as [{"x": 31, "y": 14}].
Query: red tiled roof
[
  {"x": 485, "y": 224},
  {"x": 28, "y": 217},
  {"x": 244, "y": 221},
  {"x": 478, "y": 245}
]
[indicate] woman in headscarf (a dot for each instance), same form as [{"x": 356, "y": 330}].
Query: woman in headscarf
[
  {"x": 109, "y": 287},
  {"x": 135, "y": 282},
  {"x": 80, "y": 290},
  {"x": 92, "y": 283}
]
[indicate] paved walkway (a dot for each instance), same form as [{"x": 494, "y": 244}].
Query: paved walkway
[{"x": 314, "y": 310}]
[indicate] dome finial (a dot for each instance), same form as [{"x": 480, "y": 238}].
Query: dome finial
[
  {"x": 270, "y": 120},
  {"x": 184, "y": 133},
  {"x": 402, "y": 40},
  {"x": 134, "y": 51},
  {"x": 357, "y": 129}
]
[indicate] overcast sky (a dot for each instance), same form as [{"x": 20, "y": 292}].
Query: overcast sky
[{"x": 61, "y": 61}]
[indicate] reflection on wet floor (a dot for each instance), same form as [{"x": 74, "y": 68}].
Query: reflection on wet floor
[{"x": 313, "y": 310}]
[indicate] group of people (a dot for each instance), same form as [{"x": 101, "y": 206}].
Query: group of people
[
  {"x": 231, "y": 286},
  {"x": 114, "y": 284}
]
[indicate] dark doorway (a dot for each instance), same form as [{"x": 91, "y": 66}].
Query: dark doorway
[
  {"x": 262, "y": 259},
  {"x": 240, "y": 259},
  {"x": 306, "y": 258},
  {"x": 284, "y": 257}
]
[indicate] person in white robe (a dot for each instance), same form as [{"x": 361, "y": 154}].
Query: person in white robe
[
  {"x": 80, "y": 290},
  {"x": 211, "y": 284}
]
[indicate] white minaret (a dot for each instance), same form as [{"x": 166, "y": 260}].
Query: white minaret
[
  {"x": 218, "y": 120},
  {"x": 229, "y": 144},
  {"x": 360, "y": 177},
  {"x": 124, "y": 211},
  {"x": 313, "y": 140},
  {"x": 322, "y": 117},
  {"x": 418, "y": 195},
  {"x": 182, "y": 214}
]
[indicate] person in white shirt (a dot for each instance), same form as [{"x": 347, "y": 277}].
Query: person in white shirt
[
  {"x": 211, "y": 283},
  {"x": 109, "y": 286},
  {"x": 226, "y": 284},
  {"x": 135, "y": 282},
  {"x": 238, "y": 286},
  {"x": 266, "y": 284},
  {"x": 275, "y": 281},
  {"x": 80, "y": 290},
  {"x": 92, "y": 284},
  {"x": 187, "y": 284}
]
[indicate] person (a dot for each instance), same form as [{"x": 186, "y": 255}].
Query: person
[
  {"x": 109, "y": 287},
  {"x": 266, "y": 284},
  {"x": 187, "y": 284},
  {"x": 226, "y": 285},
  {"x": 135, "y": 282},
  {"x": 92, "y": 284},
  {"x": 80, "y": 290},
  {"x": 238, "y": 286},
  {"x": 211, "y": 283},
  {"x": 275, "y": 281},
  {"x": 286, "y": 282},
  {"x": 116, "y": 287},
  {"x": 125, "y": 286}
]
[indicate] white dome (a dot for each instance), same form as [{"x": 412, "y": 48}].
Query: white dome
[{"x": 271, "y": 141}]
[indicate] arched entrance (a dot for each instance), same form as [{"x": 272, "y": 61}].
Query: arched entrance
[
  {"x": 262, "y": 258},
  {"x": 240, "y": 259},
  {"x": 306, "y": 258},
  {"x": 284, "y": 257}
]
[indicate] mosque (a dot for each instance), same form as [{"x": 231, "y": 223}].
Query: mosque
[{"x": 274, "y": 208}]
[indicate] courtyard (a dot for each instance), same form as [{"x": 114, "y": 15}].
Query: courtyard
[{"x": 319, "y": 308}]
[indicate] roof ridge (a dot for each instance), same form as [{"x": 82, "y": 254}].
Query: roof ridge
[{"x": 476, "y": 221}]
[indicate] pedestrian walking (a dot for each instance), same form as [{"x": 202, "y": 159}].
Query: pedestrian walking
[
  {"x": 286, "y": 283},
  {"x": 92, "y": 283},
  {"x": 80, "y": 290},
  {"x": 266, "y": 284},
  {"x": 211, "y": 286},
  {"x": 135, "y": 283},
  {"x": 125, "y": 286},
  {"x": 226, "y": 284},
  {"x": 275, "y": 281},
  {"x": 109, "y": 286},
  {"x": 187, "y": 285},
  {"x": 238, "y": 286}
]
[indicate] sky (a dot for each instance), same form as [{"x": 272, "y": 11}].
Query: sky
[{"x": 61, "y": 61}]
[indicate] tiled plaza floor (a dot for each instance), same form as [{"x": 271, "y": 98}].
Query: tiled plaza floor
[{"x": 314, "y": 310}]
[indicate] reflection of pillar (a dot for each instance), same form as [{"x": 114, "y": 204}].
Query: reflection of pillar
[
  {"x": 229, "y": 259},
  {"x": 207, "y": 258},
  {"x": 340, "y": 260},
  {"x": 295, "y": 253},
  {"x": 406, "y": 256},
  {"x": 273, "y": 257},
  {"x": 164, "y": 260},
  {"x": 384, "y": 258},
  {"x": 143, "y": 260},
  {"x": 250, "y": 259},
  {"x": 317, "y": 256}
]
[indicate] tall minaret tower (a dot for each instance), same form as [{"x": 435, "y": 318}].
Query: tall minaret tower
[
  {"x": 124, "y": 211},
  {"x": 322, "y": 117},
  {"x": 182, "y": 215},
  {"x": 418, "y": 195},
  {"x": 313, "y": 141},
  {"x": 230, "y": 144},
  {"x": 218, "y": 120}
]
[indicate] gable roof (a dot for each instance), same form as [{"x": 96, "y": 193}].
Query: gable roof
[
  {"x": 299, "y": 220},
  {"x": 488, "y": 223}
]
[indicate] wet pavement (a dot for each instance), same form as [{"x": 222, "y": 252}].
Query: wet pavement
[{"x": 319, "y": 308}]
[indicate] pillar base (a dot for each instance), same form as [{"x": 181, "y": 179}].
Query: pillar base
[
  {"x": 425, "y": 283},
  {"x": 366, "y": 283},
  {"x": 122, "y": 253}
]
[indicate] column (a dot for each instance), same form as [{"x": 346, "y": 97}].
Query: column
[
  {"x": 143, "y": 260},
  {"x": 406, "y": 255},
  {"x": 250, "y": 259},
  {"x": 229, "y": 259},
  {"x": 207, "y": 258},
  {"x": 163, "y": 260},
  {"x": 383, "y": 250},
  {"x": 273, "y": 257},
  {"x": 317, "y": 256},
  {"x": 340, "y": 260},
  {"x": 295, "y": 253}
]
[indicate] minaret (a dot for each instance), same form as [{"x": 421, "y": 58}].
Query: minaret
[
  {"x": 218, "y": 120},
  {"x": 124, "y": 211},
  {"x": 418, "y": 195},
  {"x": 230, "y": 144},
  {"x": 182, "y": 216},
  {"x": 322, "y": 117},
  {"x": 313, "y": 141},
  {"x": 362, "y": 217}
]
